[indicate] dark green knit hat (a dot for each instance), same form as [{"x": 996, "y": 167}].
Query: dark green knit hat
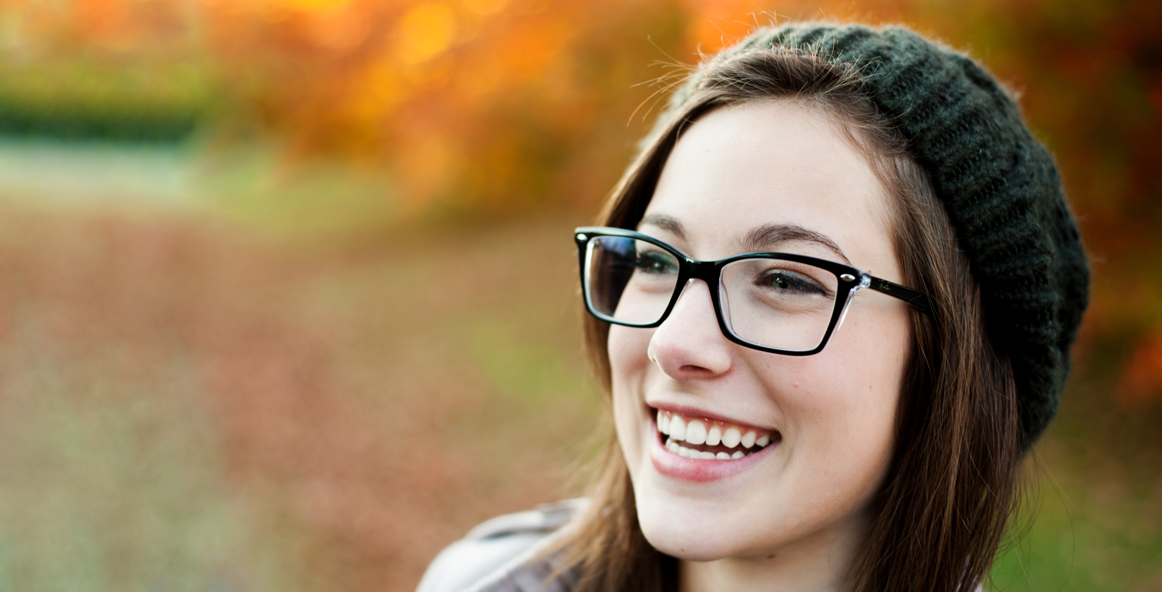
[{"x": 997, "y": 182}]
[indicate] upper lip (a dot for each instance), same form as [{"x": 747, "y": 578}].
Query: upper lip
[{"x": 687, "y": 411}]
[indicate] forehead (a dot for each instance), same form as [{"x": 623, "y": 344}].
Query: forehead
[{"x": 772, "y": 162}]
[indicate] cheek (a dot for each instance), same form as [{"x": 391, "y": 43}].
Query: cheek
[
  {"x": 627, "y": 348},
  {"x": 628, "y": 358},
  {"x": 841, "y": 405},
  {"x": 629, "y": 366}
]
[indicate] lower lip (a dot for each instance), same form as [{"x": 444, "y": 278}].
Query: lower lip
[{"x": 700, "y": 471}]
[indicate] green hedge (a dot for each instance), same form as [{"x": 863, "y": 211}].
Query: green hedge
[{"x": 80, "y": 100}]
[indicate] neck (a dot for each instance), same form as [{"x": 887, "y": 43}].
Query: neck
[{"x": 820, "y": 564}]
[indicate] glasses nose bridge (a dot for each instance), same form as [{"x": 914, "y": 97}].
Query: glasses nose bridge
[
  {"x": 706, "y": 271},
  {"x": 694, "y": 269}
]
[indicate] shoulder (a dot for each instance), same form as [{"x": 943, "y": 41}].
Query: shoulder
[{"x": 494, "y": 551}]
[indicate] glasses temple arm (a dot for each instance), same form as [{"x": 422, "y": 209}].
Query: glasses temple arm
[{"x": 908, "y": 295}]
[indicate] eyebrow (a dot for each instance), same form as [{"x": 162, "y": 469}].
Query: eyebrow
[
  {"x": 666, "y": 223},
  {"x": 761, "y": 238}
]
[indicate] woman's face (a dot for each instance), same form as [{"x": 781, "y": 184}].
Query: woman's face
[{"x": 781, "y": 166}]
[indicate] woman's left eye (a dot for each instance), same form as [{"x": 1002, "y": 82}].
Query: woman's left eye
[{"x": 789, "y": 282}]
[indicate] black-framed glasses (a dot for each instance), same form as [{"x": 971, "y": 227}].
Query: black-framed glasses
[{"x": 780, "y": 303}]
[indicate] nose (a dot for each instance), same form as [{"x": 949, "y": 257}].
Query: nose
[{"x": 690, "y": 344}]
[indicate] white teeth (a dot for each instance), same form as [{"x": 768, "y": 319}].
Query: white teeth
[
  {"x": 696, "y": 432},
  {"x": 677, "y": 428},
  {"x": 690, "y": 453},
  {"x": 731, "y": 437}
]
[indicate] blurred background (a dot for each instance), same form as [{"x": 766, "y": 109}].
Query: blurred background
[{"x": 288, "y": 291}]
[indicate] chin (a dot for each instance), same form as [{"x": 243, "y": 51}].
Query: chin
[
  {"x": 684, "y": 544},
  {"x": 686, "y": 533}
]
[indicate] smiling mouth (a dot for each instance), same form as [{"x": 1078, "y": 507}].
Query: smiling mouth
[{"x": 700, "y": 438}]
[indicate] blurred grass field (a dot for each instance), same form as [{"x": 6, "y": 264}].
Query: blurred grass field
[{"x": 185, "y": 409}]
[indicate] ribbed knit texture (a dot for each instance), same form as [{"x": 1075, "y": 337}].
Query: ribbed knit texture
[{"x": 998, "y": 184}]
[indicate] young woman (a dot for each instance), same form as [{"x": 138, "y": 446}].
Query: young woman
[{"x": 832, "y": 301}]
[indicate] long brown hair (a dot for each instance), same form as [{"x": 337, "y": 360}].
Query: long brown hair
[{"x": 941, "y": 514}]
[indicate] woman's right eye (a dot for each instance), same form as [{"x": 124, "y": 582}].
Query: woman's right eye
[{"x": 657, "y": 262}]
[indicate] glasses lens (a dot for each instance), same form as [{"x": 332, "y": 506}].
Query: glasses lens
[
  {"x": 779, "y": 304},
  {"x": 629, "y": 280}
]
